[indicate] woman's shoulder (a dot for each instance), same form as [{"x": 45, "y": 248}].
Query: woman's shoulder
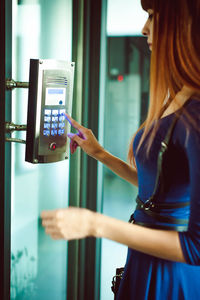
[
  {"x": 190, "y": 115},
  {"x": 192, "y": 107},
  {"x": 189, "y": 121}
]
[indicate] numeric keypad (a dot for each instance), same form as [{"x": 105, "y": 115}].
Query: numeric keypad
[{"x": 54, "y": 122}]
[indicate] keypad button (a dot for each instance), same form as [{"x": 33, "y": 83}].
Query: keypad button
[
  {"x": 54, "y": 132},
  {"x": 47, "y": 125},
  {"x": 61, "y": 118},
  {"x": 46, "y": 132},
  {"x": 61, "y": 125},
  {"x": 62, "y": 112},
  {"x": 55, "y": 112},
  {"x": 47, "y": 112},
  {"x": 54, "y": 125},
  {"x": 54, "y": 119},
  {"x": 47, "y": 119},
  {"x": 61, "y": 131}
]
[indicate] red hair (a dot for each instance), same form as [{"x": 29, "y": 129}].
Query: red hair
[{"x": 175, "y": 58}]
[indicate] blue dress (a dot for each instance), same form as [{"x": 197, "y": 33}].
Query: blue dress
[{"x": 151, "y": 278}]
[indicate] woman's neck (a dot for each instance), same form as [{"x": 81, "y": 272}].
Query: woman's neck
[
  {"x": 185, "y": 93},
  {"x": 181, "y": 97}
]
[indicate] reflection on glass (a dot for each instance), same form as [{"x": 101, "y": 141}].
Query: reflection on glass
[{"x": 41, "y": 29}]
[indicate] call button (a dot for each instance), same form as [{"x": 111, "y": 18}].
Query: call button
[{"x": 52, "y": 146}]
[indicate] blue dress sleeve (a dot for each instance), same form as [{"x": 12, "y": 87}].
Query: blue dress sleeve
[{"x": 190, "y": 140}]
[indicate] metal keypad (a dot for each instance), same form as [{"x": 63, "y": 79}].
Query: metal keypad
[{"x": 54, "y": 122}]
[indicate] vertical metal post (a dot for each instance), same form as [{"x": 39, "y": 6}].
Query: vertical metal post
[
  {"x": 2, "y": 146},
  {"x": 73, "y": 264},
  {"x": 5, "y": 182},
  {"x": 92, "y": 55},
  {"x": 84, "y": 256}
]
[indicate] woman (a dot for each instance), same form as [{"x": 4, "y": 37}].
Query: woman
[{"x": 163, "y": 259}]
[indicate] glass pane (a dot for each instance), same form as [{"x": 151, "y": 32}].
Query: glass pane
[
  {"x": 41, "y": 29},
  {"x": 127, "y": 85}
]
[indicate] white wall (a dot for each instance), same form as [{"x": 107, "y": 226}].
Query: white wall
[{"x": 125, "y": 17}]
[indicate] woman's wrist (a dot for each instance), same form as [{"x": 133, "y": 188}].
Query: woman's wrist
[
  {"x": 96, "y": 222},
  {"x": 102, "y": 226},
  {"x": 100, "y": 154}
]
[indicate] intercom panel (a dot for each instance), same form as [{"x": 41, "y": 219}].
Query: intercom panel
[{"x": 50, "y": 97}]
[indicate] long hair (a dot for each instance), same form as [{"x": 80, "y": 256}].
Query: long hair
[{"x": 175, "y": 58}]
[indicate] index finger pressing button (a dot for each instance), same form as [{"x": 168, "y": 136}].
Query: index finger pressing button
[{"x": 73, "y": 123}]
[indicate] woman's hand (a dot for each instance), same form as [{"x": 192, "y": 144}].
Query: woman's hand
[
  {"x": 69, "y": 223},
  {"x": 84, "y": 138},
  {"x": 87, "y": 141}
]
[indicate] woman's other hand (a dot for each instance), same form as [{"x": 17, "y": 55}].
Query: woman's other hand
[
  {"x": 69, "y": 223},
  {"x": 84, "y": 138}
]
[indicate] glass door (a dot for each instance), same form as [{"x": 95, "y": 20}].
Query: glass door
[
  {"x": 125, "y": 105},
  {"x": 40, "y": 29}
]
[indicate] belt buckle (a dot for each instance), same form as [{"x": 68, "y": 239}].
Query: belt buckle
[{"x": 148, "y": 205}]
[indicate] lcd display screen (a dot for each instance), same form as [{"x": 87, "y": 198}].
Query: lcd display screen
[{"x": 55, "y": 96}]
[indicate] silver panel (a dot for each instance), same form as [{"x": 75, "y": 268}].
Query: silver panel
[{"x": 50, "y": 95}]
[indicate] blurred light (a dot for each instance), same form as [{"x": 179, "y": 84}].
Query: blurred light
[{"x": 120, "y": 78}]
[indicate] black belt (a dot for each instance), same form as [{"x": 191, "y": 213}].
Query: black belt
[
  {"x": 157, "y": 206},
  {"x": 153, "y": 210},
  {"x": 164, "y": 227}
]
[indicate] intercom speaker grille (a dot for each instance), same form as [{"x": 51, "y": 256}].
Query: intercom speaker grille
[{"x": 60, "y": 80}]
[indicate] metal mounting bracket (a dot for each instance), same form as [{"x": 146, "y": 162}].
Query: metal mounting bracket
[
  {"x": 12, "y": 84},
  {"x": 10, "y": 127},
  {"x": 14, "y": 140}
]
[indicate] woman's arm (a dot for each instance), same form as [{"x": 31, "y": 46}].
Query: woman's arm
[
  {"x": 159, "y": 243},
  {"x": 87, "y": 141},
  {"x": 76, "y": 223},
  {"x": 118, "y": 166}
]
